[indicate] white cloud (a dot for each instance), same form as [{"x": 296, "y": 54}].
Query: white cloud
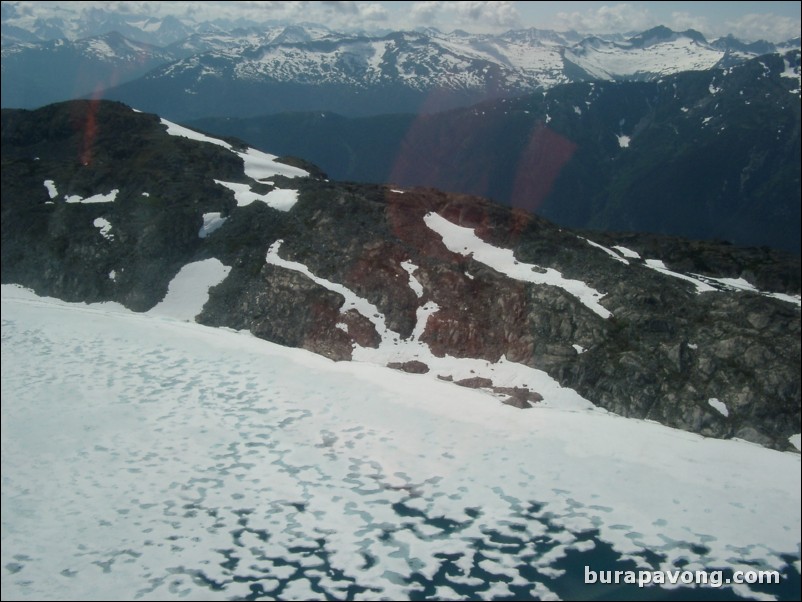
[
  {"x": 473, "y": 16},
  {"x": 373, "y": 12},
  {"x": 347, "y": 8},
  {"x": 425, "y": 13},
  {"x": 486, "y": 14},
  {"x": 607, "y": 19},
  {"x": 766, "y": 26}
]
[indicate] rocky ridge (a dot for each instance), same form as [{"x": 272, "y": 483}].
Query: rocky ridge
[{"x": 699, "y": 336}]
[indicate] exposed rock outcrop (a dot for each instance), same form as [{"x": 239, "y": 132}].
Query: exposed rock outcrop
[{"x": 644, "y": 326}]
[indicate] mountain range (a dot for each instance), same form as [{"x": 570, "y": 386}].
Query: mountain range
[
  {"x": 690, "y": 154},
  {"x": 104, "y": 203}
]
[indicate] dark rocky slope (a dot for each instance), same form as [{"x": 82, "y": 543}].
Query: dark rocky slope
[{"x": 663, "y": 353}]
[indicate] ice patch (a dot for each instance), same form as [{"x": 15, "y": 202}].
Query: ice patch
[
  {"x": 465, "y": 242},
  {"x": 719, "y": 406},
  {"x": 188, "y": 292}
]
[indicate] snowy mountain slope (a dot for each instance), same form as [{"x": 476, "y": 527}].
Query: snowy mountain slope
[
  {"x": 657, "y": 52},
  {"x": 148, "y": 457},
  {"x": 427, "y": 282}
]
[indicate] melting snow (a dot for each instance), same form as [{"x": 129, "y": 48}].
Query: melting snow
[
  {"x": 188, "y": 292},
  {"x": 152, "y": 458},
  {"x": 52, "y": 191},
  {"x": 352, "y": 300},
  {"x": 280, "y": 199},
  {"x": 258, "y": 165},
  {"x": 701, "y": 287},
  {"x": 627, "y": 252},
  {"x": 109, "y": 197},
  {"x": 393, "y": 348},
  {"x": 465, "y": 242},
  {"x": 719, "y": 406},
  {"x": 178, "y": 130},
  {"x": 416, "y": 286},
  {"x": 610, "y": 252},
  {"x": 105, "y": 228}
]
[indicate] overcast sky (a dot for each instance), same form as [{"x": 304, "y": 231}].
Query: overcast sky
[{"x": 774, "y": 21}]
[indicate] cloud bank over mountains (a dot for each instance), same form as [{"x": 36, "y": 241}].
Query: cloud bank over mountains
[{"x": 771, "y": 23}]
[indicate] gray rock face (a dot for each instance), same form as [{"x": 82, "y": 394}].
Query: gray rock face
[{"x": 665, "y": 351}]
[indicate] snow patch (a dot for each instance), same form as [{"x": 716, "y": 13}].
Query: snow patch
[
  {"x": 188, "y": 291},
  {"x": 610, "y": 252},
  {"x": 465, "y": 242},
  {"x": 52, "y": 191},
  {"x": 578, "y": 348},
  {"x": 623, "y": 141},
  {"x": 352, "y": 300},
  {"x": 109, "y": 197},
  {"x": 105, "y": 228},
  {"x": 414, "y": 284},
  {"x": 257, "y": 165},
  {"x": 796, "y": 441},
  {"x": 658, "y": 265},
  {"x": 280, "y": 199},
  {"x": 627, "y": 252},
  {"x": 211, "y": 223},
  {"x": 719, "y": 406},
  {"x": 393, "y": 349},
  {"x": 179, "y": 130}
]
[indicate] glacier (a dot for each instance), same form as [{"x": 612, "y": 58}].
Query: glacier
[{"x": 144, "y": 456}]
